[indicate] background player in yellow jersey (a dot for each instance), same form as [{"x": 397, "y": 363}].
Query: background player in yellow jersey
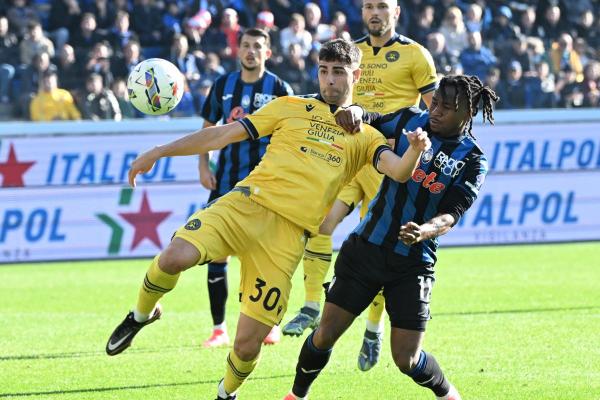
[
  {"x": 266, "y": 218},
  {"x": 396, "y": 73}
]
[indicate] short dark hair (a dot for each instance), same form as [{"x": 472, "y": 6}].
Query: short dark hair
[
  {"x": 256, "y": 32},
  {"x": 340, "y": 50}
]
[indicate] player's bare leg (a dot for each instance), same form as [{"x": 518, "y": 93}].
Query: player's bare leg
[
  {"x": 161, "y": 278},
  {"x": 317, "y": 259},
  {"x": 422, "y": 367},
  {"x": 317, "y": 348},
  {"x": 244, "y": 356}
]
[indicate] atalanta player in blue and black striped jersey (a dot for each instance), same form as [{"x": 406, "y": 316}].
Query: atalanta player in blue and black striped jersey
[
  {"x": 394, "y": 245},
  {"x": 231, "y": 98}
]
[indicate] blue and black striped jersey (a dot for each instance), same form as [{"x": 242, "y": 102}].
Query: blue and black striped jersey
[
  {"x": 231, "y": 99},
  {"x": 453, "y": 168}
]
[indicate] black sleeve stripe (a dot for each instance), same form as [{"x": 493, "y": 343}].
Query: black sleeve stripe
[
  {"x": 428, "y": 88},
  {"x": 252, "y": 132},
  {"x": 378, "y": 152}
]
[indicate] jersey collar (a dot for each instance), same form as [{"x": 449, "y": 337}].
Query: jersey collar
[
  {"x": 394, "y": 37},
  {"x": 332, "y": 107}
]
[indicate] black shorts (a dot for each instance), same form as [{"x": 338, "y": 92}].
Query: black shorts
[{"x": 362, "y": 269}]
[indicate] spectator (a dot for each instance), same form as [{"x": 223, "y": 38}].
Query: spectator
[
  {"x": 201, "y": 94},
  {"x": 64, "y": 14},
  {"x": 512, "y": 89},
  {"x": 518, "y": 52},
  {"x": 231, "y": 28},
  {"x": 119, "y": 88},
  {"x": 86, "y": 37},
  {"x": 477, "y": 59},
  {"x": 582, "y": 27},
  {"x": 266, "y": 21},
  {"x": 20, "y": 17},
  {"x": 551, "y": 25},
  {"x": 454, "y": 31},
  {"x": 296, "y": 34},
  {"x": 147, "y": 24},
  {"x": 52, "y": 103},
  {"x": 105, "y": 13},
  {"x": 35, "y": 43},
  {"x": 100, "y": 103},
  {"x": 293, "y": 69},
  {"x": 69, "y": 70},
  {"x": 443, "y": 61},
  {"x": 124, "y": 63},
  {"x": 30, "y": 79},
  {"x": 563, "y": 57},
  {"x": 473, "y": 21},
  {"x": 340, "y": 24},
  {"x": 213, "y": 68},
  {"x": 423, "y": 26},
  {"x": 527, "y": 24},
  {"x": 589, "y": 86},
  {"x": 183, "y": 60},
  {"x": 99, "y": 62},
  {"x": 586, "y": 54},
  {"x": 8, "y": 56},
  {"x": 172, "y": 20},
  {"x": 320, "y": 32},
  {"x": 120, "y": 34},
  {"x": 571, "y": 93},
  {"x": 502, "y": 30},
  {"x": 540, "y": 88},
  {"x": 194, "y": 29}
]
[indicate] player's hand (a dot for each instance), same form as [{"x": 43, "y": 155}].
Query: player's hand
[
  {"x": 410, "y": 233},
  {"x": 350, "y": 119},
  {"x": 208, "y": 179},
  {"x": 418, "y": 139},
  {"x": 142, "y": 164}
]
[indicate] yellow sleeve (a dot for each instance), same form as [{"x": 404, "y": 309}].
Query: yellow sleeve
[
  {"x": 72, "y": 110},
  {"x": 263, "y": 121},
  {"x": 423, "y": 71},
  {"x": 377, "y": 144},
  {"x": 34, "y": 109}
]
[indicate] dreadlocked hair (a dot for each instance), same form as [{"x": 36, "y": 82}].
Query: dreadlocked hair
[{"x": 475, "y": 92}]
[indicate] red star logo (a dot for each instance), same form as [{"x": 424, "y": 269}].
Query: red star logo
[
  {"x": 145, "y": 223},
  {"x": 12, "y": 170}
]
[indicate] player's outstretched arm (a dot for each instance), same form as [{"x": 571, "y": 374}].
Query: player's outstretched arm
[
  {"x": 412, "y": 233},
  {"x": 199, "y": 142},
  {"x": 401, "y": 169}
]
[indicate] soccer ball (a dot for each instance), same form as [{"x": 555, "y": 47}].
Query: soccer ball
[{"x": 155, "y": 86}]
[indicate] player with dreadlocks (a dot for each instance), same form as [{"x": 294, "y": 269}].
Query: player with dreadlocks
[{"x": 394, "y": 245}]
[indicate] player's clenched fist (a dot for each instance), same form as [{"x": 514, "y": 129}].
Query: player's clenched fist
[
  {"x": 418, "y": 139},
  {"x": 142, "y": 164}
]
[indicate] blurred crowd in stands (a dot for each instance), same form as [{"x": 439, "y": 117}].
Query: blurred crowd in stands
[{"x": 69, "y": 59}]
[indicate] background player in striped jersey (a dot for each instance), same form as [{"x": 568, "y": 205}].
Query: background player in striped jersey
[
  {"x": 266, "y": 217},
  {"x": 396, "y": 72},
  {"x": 231, "y": 98},
  {"x": 394, "y": 245}
]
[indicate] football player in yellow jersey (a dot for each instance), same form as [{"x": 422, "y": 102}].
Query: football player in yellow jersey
[
  {"x": 266, "y": 218},
  {"x": 396, "y": 72}
]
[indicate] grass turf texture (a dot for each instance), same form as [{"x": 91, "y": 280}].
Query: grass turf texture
[{"x": 509, "y": 323}]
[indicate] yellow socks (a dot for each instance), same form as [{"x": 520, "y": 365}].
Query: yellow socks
[
  {"x": 237, "y": 371},
  {"x": 156, "y": 284},
  {"x": 376, "y": 311},
  {"x": 317, "y": 257}
]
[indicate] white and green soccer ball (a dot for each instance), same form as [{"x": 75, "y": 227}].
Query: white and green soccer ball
[{"x": 155, "y": 86}]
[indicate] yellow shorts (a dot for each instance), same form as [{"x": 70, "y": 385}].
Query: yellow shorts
[
  {"x": 269, "y": 248},
  {"x": 363, "y": 187}
]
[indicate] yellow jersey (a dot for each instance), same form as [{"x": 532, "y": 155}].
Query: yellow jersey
[
  {"x": 55, "y": 105},
  {"x": 310, "y": 158},
  {"x": 393, "y": 76}
]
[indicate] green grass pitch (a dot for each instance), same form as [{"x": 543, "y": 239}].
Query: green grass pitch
[{"x": 517, "y": 322}]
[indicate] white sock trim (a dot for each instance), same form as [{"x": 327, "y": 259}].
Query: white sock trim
[
  {"x": 313, "y": 305},
  {"x": 139, "y": 317},
  {"x": 375, "y": 328}
]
